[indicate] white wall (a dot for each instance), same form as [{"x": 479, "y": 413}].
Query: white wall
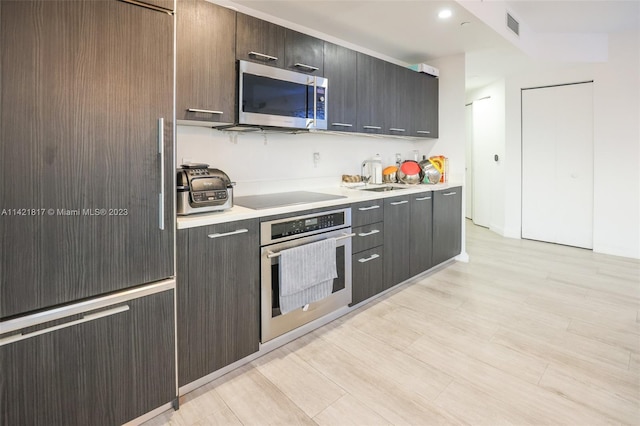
[
  {"x": 616, "y": 143},
  {"x": 452, "y": 131},
  {"x": 273, "y": 162}
]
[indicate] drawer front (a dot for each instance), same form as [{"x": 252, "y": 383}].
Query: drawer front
[
  {"x": 366, "y": 212},
  {"x": 367, "y": 274},
  {"x": 368, "y": 236}
]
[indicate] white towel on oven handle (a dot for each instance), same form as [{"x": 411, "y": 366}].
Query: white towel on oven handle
[{"x": 307, "y": 273}]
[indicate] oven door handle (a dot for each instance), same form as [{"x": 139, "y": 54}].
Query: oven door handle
[{"x": 271, "y": 255}]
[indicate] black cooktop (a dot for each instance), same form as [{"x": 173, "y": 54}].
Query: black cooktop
[{"x": 268, "y": 201}]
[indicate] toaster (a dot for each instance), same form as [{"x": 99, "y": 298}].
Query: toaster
[{"x": 202, "y": 189}]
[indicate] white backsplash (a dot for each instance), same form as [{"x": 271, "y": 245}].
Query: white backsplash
[{"x": 275, "y": 162}]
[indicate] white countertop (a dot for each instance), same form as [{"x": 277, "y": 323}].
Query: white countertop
[{"x": 353, "y": 195}]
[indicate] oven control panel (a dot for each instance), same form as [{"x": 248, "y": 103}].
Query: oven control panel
[{"x": 285, "y": 229}]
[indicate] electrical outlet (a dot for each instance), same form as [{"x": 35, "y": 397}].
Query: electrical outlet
[{"x": 316, "y": 159}]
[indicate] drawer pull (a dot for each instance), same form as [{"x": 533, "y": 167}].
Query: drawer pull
[
  {"x": 397, "y": 203},
  {"x": 86, "y": 318},
  {"x": 263, "y": 56},
  {"x": 395, "y": 129},
  {"x": 423, "y": 198},
  {"x": 309, "y": 67},
  {"x": 423, "y": 132},
  {"x": 362, "y": 209},
  {"x": 366, "y": 234},
  {"x": 227, "y": 234},
  {"x": 367, "y": 259},
  {"x": 206, "y": 111},
  {"x": 450, "y": 193},
  {"x": 342, "y": 124},
  {"x": 372, "y": 127}
]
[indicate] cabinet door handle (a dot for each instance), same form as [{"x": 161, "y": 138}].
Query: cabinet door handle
[
  {"x": 372, "y": 127},
  {"x": 263, "y": 56},
  {"x": 397, "y": 203},
  {"x": 450, "y": 193},
  {"x": 206, "y": 111},
  {"x": 161, "y": 152},
  {"x": 86, "y": 318},
  {"x": 227, "y": 234},
  {"x": 423, "y": 132},
  {"x": 367, "y": 259},
  {"x": 362, "y": 209},
  {"x": 395, "y": 129},
  {"x": 366, "y": 234},
  {"x": 342, "y": 124},
  {"x": 309, "y": 67},
  {"x": 423, "y": 198}
]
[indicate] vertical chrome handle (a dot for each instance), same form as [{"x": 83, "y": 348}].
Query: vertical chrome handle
[
  {"x": 161, "y": 153},
  {"x": 315, "y": 102}
]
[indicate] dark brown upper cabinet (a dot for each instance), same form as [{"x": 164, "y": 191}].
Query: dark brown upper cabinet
[
  {"x": 205, "y": 63},
  {"x": 372, "y": 92},
  {"x": 340, "y": 65},
  {"x": 259, "y": 41},
  {"x": 303, "y": 53}
]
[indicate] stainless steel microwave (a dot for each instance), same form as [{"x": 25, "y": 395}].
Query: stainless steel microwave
[{"x": 274, "y": 97}]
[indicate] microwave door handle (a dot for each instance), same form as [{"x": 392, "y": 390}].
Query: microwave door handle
[{"x": 315, "y": 100}]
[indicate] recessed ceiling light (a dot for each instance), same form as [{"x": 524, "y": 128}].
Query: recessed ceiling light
[{"x": 444, "y": 14}]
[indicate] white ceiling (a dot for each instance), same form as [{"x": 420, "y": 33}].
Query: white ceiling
[{"x": 409, "y": 31}]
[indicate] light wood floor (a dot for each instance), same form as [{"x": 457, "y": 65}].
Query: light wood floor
[{"x": 525, "y": 333}]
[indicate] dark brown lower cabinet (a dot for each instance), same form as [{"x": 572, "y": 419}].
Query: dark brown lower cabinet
[
  {"x": 447, "y": 224},
  {"x": 366, "y": 269},
  {"x": 397, "y": 234},
  {"x": 103, "y": 367},
  {"x": 218, "y": 297},
  {"x": 421, "y": 241}
]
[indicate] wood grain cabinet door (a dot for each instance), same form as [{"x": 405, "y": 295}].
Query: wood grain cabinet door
[
  {"x": 205, "y": 62},
  {"x": 303, "y": 53},
  {"x": 105, "y": 371},
  {"x": 421, "y": 242},
  {"x": 372, "y": 88},
  {"x": 397, "y": 234},
  {"x": 340, "y": 70},
  {"x": 447, "y": 224},
  {"x": 86, "y": 105},
  {"x": 259, "y": 41},
  {"x": 219, "y": 305}
]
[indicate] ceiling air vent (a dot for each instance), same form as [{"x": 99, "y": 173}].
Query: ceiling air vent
[{"x": 513, "y": 24}]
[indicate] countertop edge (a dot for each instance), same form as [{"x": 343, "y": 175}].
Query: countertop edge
[{"x": 352, "y": 196}]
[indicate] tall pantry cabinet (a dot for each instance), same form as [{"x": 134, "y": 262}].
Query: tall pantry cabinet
[{"x": 86, "y": 209}]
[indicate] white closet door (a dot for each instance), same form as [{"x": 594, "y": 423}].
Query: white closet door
[
  {"x": 483, "y": 150},
  {"x": 557, "y": 164}
]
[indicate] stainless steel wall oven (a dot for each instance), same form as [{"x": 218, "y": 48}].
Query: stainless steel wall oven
[{"x": 281, "y": 234}]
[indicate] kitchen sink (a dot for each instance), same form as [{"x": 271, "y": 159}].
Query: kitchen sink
[{"x": 384, "y": 188}]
